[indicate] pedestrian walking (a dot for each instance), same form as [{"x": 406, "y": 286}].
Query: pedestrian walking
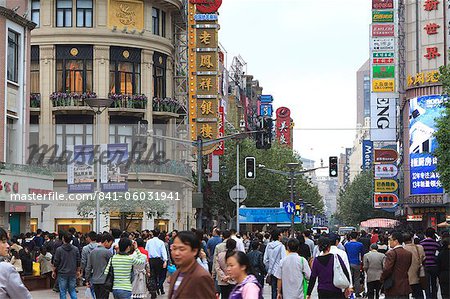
[
  {"x": 303, "y": 249},
  {"x": 66, "y": 264},
  {"x": 122, "y": 264},
  {"x": 225, "y": 282},
  {"x": 157, "y": 255},
  {"x": 396, "y": 266},
  {"x": 416, "y": 271},
  {"x": 293, "y": 269},
  {"x": 431, "y": 248},
  {"x": 139, "y": 284},
  {"x": 91, "y": 240},
  {"x": 239, "y": 242},
  {"x": 219, "y": 248},
  {"x": 45, "y": 263},
  {"x": 355, "y": 252},
  {"x": 238, "y": 268},
  {"x": 309, "y": 241},
  {"x": 274, "y": 253},
  {"x": 11, "y": 285},
  {"x": 373, "y": 266},
  {"x": 323, "y": 271},
  {"x": 96, "y": 264},
  {"x": 444, "y": 264},
  {"x": 190, "y": 280},
  {"x": 256, "y": 262}
]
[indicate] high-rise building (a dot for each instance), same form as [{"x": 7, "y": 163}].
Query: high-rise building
[{"x": 363, "y": 93}]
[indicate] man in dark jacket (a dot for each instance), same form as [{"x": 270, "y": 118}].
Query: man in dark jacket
[
  {"x": 97, "y": 261},
  {"x": 67, "y": 265},
  {"x": 256, "y": 262},
  {"x": 396, "y": 265}
]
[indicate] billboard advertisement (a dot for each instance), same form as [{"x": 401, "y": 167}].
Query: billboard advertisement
[
  {"x": 383, "y": 30},
  {"x": 383, "y": 85},
  {"x": 114, "y": 173},
  {"x": 383, "y": 58},
  {"x": 367, "y": 155},
  {"x": 383, "y": 71},
  {"x": 80, "y": 171},
  {"x": 422, "y": 114},
  {"x": 382, "y": 16},
  {"x": 385, "y": 201},
  {"x": 283, "y": 126},
  {"x": 382, "y": 44},
  {"x": 382, "y": 4},
  {"x": 383, "y": 120}
]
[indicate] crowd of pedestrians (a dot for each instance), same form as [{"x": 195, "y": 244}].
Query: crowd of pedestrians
[{"x": 224, "y": 264}]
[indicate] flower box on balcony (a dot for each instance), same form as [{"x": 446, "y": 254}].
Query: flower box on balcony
[
  {"x": 166, "y": 105},
  {"x": 135, "y": 101},
  {"x": 35, "y": 100},
  {"x": 63, "y": 99}
]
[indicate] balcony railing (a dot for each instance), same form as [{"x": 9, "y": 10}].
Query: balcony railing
[
  {"x": 73, "y": 99},
  {"x": 135, "y": 101},
  {"x": 167, "y": 105},
  {"x": 36, "y": 169},
  {"x": 35, "y": 100},
  {"x": 172, "y": 167}
]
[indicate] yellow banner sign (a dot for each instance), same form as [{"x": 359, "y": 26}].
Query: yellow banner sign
[
  {"x": 126, "y": 13},
  {"x": 383, "y": 85},
  {"x": 386, "y": 186}
]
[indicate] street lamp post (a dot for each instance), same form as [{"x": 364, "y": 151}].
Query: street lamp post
[{"x": 98, "y": 106}]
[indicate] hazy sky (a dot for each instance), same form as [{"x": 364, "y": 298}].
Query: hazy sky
[{"x": 305, "y": 53}]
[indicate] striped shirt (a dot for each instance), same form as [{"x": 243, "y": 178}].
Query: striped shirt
[
  {"x": 122, "y": 267},
  {"x": 431, "y": 247}
]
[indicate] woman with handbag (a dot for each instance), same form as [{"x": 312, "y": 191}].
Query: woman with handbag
[
  {"x": 325, "y": 269},
  {"x": 416, "y": 272}
]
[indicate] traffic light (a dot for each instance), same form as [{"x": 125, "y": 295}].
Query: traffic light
[
  {"x": 250, "y": 167},
  {"x": 259, "y": 136},
  {"x": 267, "y": 135},
  {"x": 333, "y": 166}
]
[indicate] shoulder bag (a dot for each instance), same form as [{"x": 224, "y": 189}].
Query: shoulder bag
[
  {"x": 109, "y": 282},
  {"x": 340, "y": 280},
  {"x": 421, "y": 271},
  {"x": 305, "y": 281},
  {"x": 389, "y": 282},
  {"x": 269, "y": 274}
]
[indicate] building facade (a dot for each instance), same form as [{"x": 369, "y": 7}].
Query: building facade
[
  {"x": 426, "y": 30},
  {"x": 119, "y": 50},
  {"x": 16, "y": 179},
  {"x": 363, "y": 93}
]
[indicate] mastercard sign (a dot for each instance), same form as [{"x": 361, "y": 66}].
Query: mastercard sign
[{"x": 385, "y": 201}]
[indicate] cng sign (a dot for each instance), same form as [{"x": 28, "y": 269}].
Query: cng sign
[
  {"x": 386, "y": 171},
  {"x": 385, "y": 201},
  {"x": 386, "y": 185}
]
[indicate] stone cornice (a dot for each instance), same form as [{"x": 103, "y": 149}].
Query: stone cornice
[{"x": 12, "y": 16}]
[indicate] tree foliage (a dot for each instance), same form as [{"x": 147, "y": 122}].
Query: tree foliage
[
  {"x": 442, "y": 152},
  {"x": 266, "y": 190},
  {"x": 126, "y": 208},
  {"x": 355, "y": 202}
]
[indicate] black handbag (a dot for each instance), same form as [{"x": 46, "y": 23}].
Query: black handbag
[{"x": 109, "y": 282}]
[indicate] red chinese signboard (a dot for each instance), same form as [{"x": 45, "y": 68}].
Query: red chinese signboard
[
  {"x": 431, "y": 28},
  {"x": 432, "y": 53},
  {"x": 220, "y": 150},
  {"x": 385, "y": 200},
  {"x": 382, "y": 4},
  {"x": 431, "y": 5},
  {"x": 383, "y": 30},
  {"x": 283, "y": 126},
  {"x": 385, "y": 155},
  {"x": 207, "y": 6}
]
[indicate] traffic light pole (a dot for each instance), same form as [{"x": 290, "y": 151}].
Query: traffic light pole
[
  {"x": 292, "y": 200},
  {"x": 238, "y": 188}
]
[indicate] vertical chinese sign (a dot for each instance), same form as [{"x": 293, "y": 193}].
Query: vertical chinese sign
[
  {"x": 203, "y": 70},
  {"x": 283, "y": 126}
]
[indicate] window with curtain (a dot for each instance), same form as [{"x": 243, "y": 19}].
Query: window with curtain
[
  {"x": 125, "y": 70},
  {"x": 35, "y": 11},
  {"x": 84, "y": 13},
  {"x": 13, "y": 56},
  {"x": 34, "y": 70},
  {"x": 73, "y": 130},
  {"x": 63, "y": 13},
  {"x": 74, "y": 72},
  {"x": 155, "y": 19}
]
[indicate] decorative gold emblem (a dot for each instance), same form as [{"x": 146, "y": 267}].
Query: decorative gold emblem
[
  {"x": 74, "y": 51},
  {"x": 126, "y": 54}
]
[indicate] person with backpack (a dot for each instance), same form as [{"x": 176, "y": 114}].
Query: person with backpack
[
  {"x": 292, "y": 271},
  {"x": 11, "y": 285},
  {"x": 256, "y": 262}
]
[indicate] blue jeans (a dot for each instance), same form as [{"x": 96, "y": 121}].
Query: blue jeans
[
  {"x": 274, "y": 287},
  {"x": 67, "y": 284},
  {"x": 121, "y": 294}
]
